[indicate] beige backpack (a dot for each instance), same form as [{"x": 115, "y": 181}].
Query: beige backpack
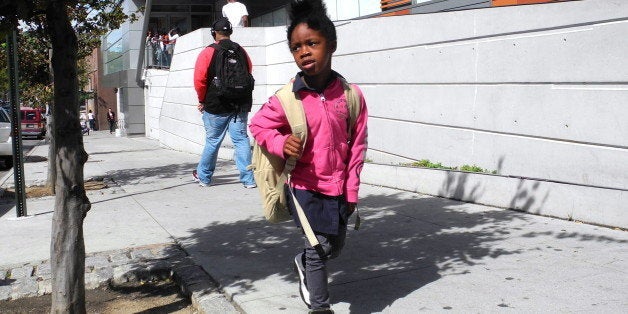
[{"x": 272, "y": 172}]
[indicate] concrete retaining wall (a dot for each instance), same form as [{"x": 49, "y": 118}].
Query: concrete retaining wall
[{"x": 537, "y": 92}]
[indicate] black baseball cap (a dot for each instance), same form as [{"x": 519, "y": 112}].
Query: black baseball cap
[{"x": 221, "y": 24}]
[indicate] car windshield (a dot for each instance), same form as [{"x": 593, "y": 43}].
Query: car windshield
[{"x": 4, "y": 117}]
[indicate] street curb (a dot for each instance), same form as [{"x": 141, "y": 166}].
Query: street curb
[{"x": 113, "y": 268}]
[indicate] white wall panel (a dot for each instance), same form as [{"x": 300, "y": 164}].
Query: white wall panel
[
  {"x": 184, "y": 94},
  {"x": 183, "y": 113},
  {"x": 518, "y": 19},
  {"x": 181, "y": 78},
  {"x": 157, "y": 91},
  {"x": 278, "y": 53},
  {"x": 552, "y": 160},
  {"x": 557, "y": 56},
  {"x": 580, "y": 113},
  {"x": 417, "y": 141},
  {"x": 185, "y": 60},
  {"x": 451, "y": 64},
  {"x": 510, "y": 155},
  {"x": 580, "y": 203},
  {"x": 193, "y": 41},
  {"x": 432, "y": 104},
  {"x": 188, "y": 131}
]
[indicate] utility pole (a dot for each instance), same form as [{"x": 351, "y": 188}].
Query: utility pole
[{"x": 16, "y": 126}]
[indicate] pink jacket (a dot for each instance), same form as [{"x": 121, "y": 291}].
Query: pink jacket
[{"x": 330, "y": 163}]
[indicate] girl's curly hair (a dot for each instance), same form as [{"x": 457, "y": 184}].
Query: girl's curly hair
[{"x": 314, "y": 14}]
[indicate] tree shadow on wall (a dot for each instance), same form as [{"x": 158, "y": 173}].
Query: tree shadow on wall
[
  {"x": 456, "y": 187},
  {"x": 456, "y": 184},
  {"x": 525, "y": 198},
  {"x": 404, "y": 244}
]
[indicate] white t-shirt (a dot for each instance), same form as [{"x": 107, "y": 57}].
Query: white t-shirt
[
  {"x": 234, "y": 11},
  {"x": 172, "y": 38}
]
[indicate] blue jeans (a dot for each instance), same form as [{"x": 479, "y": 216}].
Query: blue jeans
[{"x": 216, "y": 126}]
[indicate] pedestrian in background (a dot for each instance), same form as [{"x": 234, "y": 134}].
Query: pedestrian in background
[
  {"x": 173, "y": 34},
  {"x": 160, "y": 50},
  {"x": 92, "y": 120},
  {"x": 151, "y": 46},
  {"x": 236, "y": 13},
  {"x": 165, "y": 39},
  {"x": 111, "y": 118},
  {"x": 326, "y": 177},
  {"x": 220, "y": 114}
]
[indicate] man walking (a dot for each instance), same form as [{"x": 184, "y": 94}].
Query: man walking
[
  {"x": 236, "y": 13},
  {"x": 222, "y": 112},
  {"x": 111, "y": 118},
  {"x": 92, "y": 120}
]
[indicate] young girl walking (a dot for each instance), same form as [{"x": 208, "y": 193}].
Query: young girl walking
[{"x": 326, "y": 178}]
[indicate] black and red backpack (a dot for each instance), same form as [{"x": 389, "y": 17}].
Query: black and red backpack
[{"x": 231, "y": 84}]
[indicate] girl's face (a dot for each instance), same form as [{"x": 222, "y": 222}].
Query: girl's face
[{"x": 312, "y": 52}]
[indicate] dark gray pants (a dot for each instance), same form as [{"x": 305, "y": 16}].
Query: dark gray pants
[{"x": 316, "y": 265}]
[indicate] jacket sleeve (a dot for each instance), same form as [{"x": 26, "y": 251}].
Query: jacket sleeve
[
  {"x": 270, "y": 127},
  {"x": 200, "y": 72},
  {"x": 357, "y": 152}
]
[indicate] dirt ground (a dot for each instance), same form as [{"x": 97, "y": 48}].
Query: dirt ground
[
  {"x": 160, "y": 297},
  {"x": 40, "y": 191}
]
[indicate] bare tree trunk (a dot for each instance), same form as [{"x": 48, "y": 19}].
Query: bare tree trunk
[
  {"x": 52, "y": 156},
  {"x": 67, "y": 248}
]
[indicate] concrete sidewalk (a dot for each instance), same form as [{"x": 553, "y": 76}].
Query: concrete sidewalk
[{"x": 414, "y": 253}]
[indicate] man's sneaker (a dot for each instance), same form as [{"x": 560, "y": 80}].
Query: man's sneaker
[
  {"x": 299, "y": 267},
  {"x": 321, "y": 311},
  {"x": 250, "y": 186},
  {"x": 195, "y": 176},
  {"x": 196, "y": 179}
]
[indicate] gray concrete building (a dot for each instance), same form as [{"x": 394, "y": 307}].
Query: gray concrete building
[{"x": 125, "y": 55}]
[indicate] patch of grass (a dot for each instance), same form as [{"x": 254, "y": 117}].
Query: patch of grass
[
  {"x": 472, "y": 168},
  {"x": 426, "y": 163}
]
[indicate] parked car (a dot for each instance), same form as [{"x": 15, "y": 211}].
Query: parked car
[
  {"x": 6, "y": 105},
  {"x": 33, "y": 122},
  {"x": 6, "y": 139}
]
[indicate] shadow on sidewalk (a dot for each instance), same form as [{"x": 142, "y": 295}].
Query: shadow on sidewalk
[
  {"x": 403, "y": 245},
  {"x": 125, "y": 151},
  {"x": 6, "y": 206},
  {"x": 158, "y": 174}
]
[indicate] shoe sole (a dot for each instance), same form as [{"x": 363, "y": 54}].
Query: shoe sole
[{"x": 302, "y": 286}]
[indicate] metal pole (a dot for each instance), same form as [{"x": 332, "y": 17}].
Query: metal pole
[{"x": 16, "y": 127}]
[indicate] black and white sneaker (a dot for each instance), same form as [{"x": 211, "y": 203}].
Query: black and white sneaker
[{"x": 299, "y": 267}]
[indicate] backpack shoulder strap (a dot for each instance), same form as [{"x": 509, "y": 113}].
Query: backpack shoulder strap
[
  {"x": 353, "y": 104},
  {"x": 293, "y": 108},
  {"x": 211, "y": 66}
]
